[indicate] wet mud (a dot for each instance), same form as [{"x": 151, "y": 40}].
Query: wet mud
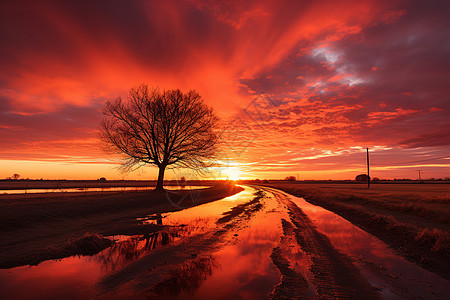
[
  {"x": 334, "y": 274},
  {"x": 258, "y": 244}
]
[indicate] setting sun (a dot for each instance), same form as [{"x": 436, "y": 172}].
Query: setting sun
[{"x": 232, "y": 173}]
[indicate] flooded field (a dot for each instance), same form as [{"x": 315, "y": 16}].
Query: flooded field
[
  {"x": 103, "y": 189},
  {"x": 257, "y": 244}
]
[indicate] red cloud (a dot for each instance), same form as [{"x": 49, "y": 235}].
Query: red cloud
[{"x": 340, "y": 73}]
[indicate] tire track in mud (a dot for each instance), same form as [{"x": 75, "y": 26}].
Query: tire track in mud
[
  {"x": 334, "y": 274},
  {"x": 293, "y": 285},
  {"x": 158, "y": 271}
]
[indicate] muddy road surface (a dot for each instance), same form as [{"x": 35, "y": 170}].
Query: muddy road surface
[{"x": 258, "y": 244}]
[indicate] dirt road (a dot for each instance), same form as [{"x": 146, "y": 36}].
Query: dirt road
[{"x": 258, "y": 244}]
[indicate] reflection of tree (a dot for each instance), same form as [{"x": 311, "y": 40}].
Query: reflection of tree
[
  {"x": 158, "y": 217},
  {"x": 187, "y": 277},
  {"x": 153, "y": 240},
  {"x": 130, "y": 250},
  {"x": 118, "y": 255},
  {"x": 125, "y": 252}
]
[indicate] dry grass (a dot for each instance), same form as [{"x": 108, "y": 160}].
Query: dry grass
[
  {"x": 429, "y": 201},
  {"x": 439, "y": 239},
  {"x": 88, "y": 244}
]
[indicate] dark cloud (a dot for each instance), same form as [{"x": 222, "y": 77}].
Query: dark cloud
[
  {"x": 393, "y": 78},
  {"x": 70, "y": 131},
  {"x": 338, "y": 74}
]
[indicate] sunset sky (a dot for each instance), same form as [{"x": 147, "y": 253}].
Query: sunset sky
[{"x": 302, "y": 87}]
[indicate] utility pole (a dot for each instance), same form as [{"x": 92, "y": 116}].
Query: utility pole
[
  {"x": 420, "y": 179},
  {"x": 368, "y": 175}
]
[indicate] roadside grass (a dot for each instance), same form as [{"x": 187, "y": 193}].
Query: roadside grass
[
  {"x": 88, "y": 244},
  {"x": 438, "y": 238},
  {"x": 413, "y": 220}
]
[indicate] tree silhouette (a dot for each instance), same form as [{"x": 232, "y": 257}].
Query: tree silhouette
[
  {"x": 163, "y": 128},
  {"x": 15, "y": 176},
  {"x": 361, "y": 177}
]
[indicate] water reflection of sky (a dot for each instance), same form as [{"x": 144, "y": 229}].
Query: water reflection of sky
[
  {"x": 245, "y": 270},
  {"x": 76, "y": 277},
  {"x": 381, "y": 266},
  {"x": 241, "y": 268},
  {"x": 103, "y": 189}
]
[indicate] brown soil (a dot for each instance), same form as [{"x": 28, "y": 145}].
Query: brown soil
[{"x": 41, "y": 227}]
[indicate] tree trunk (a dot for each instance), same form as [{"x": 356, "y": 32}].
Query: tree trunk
[{"x": 160, "y": 184}]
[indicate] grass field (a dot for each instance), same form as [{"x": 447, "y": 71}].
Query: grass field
[{"x": 414, "y": 219}]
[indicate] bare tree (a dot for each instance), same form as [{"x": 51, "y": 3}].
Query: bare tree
[
  {"x": 15, "y": 176},
  {"x": 290, "y": 178},
  {"x": 163, "y": 128}
]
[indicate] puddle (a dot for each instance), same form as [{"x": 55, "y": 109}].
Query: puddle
[
  {"x": 104, "y": 189},
  {"x": 77, "y": 277},
  {"x": 393, "y": 275},
  {"x": 243, "y": 268},
  {"x": 240, "y": 268},
  {"x": 201, "y": 217}
]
